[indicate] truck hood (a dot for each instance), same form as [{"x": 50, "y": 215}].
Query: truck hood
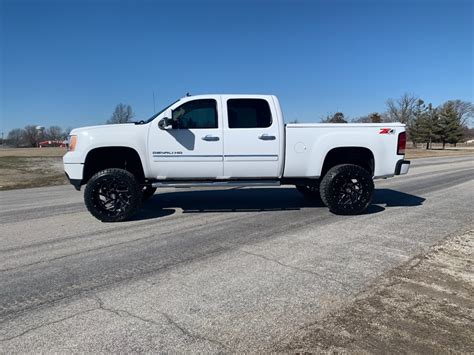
[
  {"x": 104, "y": 128},
  {"x": 125, "y": 135}
]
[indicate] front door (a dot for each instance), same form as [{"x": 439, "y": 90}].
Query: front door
[
  {"x": 193, "y": 147},
  {"x": 251, "y": 139}
]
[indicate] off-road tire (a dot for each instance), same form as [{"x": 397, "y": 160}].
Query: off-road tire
[
  {"x": 347, "y": 189},
  {"x": 310, "y": 191},
  {"x": 147, "y": 192},
  {"x": 113, "y": 195}
]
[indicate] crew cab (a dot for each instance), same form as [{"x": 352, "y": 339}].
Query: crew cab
[{"x": 231, "y": 140}]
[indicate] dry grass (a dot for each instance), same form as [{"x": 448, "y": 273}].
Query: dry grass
[
  {"x": 22, "y": 172},
  {"x": 31, "y": 167},
  {"x": 422, "y": 307},
  {"x": 412, "y": 153},
  {"x": 32, "y": 152}
]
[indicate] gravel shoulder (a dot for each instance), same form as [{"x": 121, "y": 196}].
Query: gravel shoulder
[{"x": 425, "y": 306}]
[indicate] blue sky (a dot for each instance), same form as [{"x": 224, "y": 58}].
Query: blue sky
[{"x": 70, "y": 62}]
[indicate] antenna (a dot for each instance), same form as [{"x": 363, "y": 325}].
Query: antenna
[{"x": 154, "y": 110}]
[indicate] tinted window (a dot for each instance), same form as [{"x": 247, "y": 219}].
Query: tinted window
[
  {"x": 195, "y": 114},
  {"x": 248, "y": 113}
]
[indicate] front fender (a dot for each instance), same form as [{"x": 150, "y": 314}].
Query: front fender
[{"x": 126, "y": 136}]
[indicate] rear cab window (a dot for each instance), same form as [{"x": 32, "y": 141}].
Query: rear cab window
[{"x": 248, "y": 113}]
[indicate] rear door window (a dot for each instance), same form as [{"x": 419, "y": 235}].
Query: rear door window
[{"x": 248, "y": 113}]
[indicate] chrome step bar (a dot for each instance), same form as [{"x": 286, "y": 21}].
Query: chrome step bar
[{"x": 230, "y": 183}]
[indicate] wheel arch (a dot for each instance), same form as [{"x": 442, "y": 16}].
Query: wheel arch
[
  {"x": 357, "y": 155},
  {"x": 122, "y": 157}
]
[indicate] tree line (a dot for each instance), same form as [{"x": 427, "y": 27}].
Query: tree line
[
  {"x": 426, "y": 124},
  {"x": 32, "y": 135},
  {"x": 446, "y": 123}
]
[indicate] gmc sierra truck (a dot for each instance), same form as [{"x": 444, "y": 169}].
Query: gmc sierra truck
[{"x": 231, "y": 140}]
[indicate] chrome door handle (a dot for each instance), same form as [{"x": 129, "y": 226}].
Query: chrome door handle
[
  {"x": 210, "y": 138},
  {"x": 266, "y": 137}
]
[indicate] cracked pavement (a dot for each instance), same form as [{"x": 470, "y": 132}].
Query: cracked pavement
[{"x": 208, "y": 270}]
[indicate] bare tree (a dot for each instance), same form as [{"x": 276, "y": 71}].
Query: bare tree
[
  {"x": 338, "y": 117},
  {"x": 122, "y": 114},
  {"x": 468, "y": 133},
  {"x": 361, "y": 119},
  {"x": 464, "y": 110},
  {"x": 15, "y": 137},
  {"x": 31, "y": 135},
  {"x": 54, "y": 133},
  {"x": 67, "y": 131},
  {"x": 375, "y": 117},
  {"x": 402, "y": 109}
]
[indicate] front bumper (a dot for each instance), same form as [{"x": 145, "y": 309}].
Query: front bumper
[
  {"x": 402, "y": 167},
  {"x": 74, "y": 174},
  {"x": 75, "y": 182}
]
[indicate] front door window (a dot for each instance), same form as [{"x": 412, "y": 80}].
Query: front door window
[{"x": 197, "y": 114}]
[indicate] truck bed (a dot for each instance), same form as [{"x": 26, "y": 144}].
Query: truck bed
[{"x": 304, "y": 159}]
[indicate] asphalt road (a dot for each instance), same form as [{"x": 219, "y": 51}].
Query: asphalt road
[{"x": 208, "y": 270}]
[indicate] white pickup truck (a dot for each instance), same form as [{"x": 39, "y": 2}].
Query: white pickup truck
[{"x": 231, "y": 140}]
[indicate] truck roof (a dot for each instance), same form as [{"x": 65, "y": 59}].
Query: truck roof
[{"x": 231, "y": 95}]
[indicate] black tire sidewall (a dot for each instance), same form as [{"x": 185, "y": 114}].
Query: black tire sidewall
[
  {"x": 125, "y": 177},
  {"x": 330, "y": 185}
]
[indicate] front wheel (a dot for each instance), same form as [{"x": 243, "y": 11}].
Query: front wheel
[
  {"x": 112, "y": 195},
  {"x": 347, "y": 189}
]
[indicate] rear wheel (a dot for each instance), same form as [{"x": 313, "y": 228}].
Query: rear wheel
[
  {"x": 347, "y": 189},
  {"x": 112, "y": 195}
]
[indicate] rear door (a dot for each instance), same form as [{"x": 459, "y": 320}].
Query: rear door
[{"x": 251, "y": 138}]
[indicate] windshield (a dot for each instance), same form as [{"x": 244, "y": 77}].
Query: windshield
[{"x": 159, "y": 113}]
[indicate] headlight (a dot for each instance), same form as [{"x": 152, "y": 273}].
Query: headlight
[{"x": 71, "y": 143}]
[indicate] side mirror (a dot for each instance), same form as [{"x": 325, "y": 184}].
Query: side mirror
[{"x": 165, "y": 123}]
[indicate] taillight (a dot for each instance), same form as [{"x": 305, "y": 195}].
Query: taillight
[{"x": 402, "y": 143}]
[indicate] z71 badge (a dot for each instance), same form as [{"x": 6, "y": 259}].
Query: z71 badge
[{"x": 387, "y": 131}]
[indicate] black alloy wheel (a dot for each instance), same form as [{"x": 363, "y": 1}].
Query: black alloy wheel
[
  {"x": 347, "y": 189},
  {"x": 112, "y": 195}
]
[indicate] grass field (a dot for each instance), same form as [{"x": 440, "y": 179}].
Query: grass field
[
  {"x": 32, "y": 152},
  {"x": 31, "y": 167},
  {"x": 35, "y": 167},
  {"x": 412, "y": 153}
]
